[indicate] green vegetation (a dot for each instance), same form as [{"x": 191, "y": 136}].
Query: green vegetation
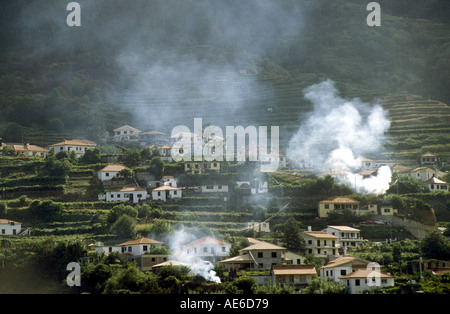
[{"x": 58, "y": 83}]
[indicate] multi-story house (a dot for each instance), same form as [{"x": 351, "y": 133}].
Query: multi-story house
[
  {"x": 207, "y": 248},
  {"x": 321, "y": 244},
  {"x": 341, "y": 266},
  {"x": 259, "y": 256},
  {"x": 126, "y": 133},
  {"x": 201, "y": 166},
  {"x": 347, "y": 236},
  {"x": 154, "y": 138}
]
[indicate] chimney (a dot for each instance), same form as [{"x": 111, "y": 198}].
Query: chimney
[{"x": 309, "y": 228}]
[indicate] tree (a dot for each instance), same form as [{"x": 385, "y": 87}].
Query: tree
[
  {"x": 245, "y": 285},
  {"x": 156, "y": 167},
  {"x": 120, "y": 210},
  {"x": 91, "y": 156},
  {"x": 160, "y": 228},
  {"x": 321, "y": 286},
  {"x": 131, "y": 157},
  {"x": 130, "y": 280},
  {"x": 124, "y": 227},
  {"x": 13, "y": 133},
  {"x": 45, "y": 210},
  {"x": 55, "y": 168},
  {"x": 292, "y": 236},
  {"x": 435, "y": 246}
]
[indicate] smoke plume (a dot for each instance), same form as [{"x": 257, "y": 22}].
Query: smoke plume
[
  {"x": 337, "y": 133},
  {"x": 196, "y": 264}
]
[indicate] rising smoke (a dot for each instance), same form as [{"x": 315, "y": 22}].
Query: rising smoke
[
  {"x": 196, "y": 264},
  {"x": 337, "y": 133}
]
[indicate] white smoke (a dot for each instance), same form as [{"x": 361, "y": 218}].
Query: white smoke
[
  {"x": 337, "y": 133},
  {"x": 196, "y": 264}
]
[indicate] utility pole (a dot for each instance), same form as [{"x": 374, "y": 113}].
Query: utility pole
[{"x": 420, "y": 265}]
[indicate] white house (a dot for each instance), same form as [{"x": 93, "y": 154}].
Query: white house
[
  {"x": 126, "y": 133},
  {"x": 341, "y": 266},
  {"x": 423, "y": 173},
  {"x": 110, "y": 171},
  {"x": 256, "y": 187},
  {"x": 347, "y": 236},
  {"x": 154, "y": 138},
  {"x": 214, "y": 188},
  {"x": 77, "y": 146},
  {"x": 10, "y": 227},
  {"x": 126, "y": 194},
  {"x": 435, "y": 185},
  {"x": 207, "y": 248},
  {"x": 366, "y": 280},
  {"x": 169, "y": 181},
  {"x": 367, "y": 164},
  {"x": 134, "y": 247},
  {"x": 259, "y": 226},
  {"x": 163, "y": 193}
]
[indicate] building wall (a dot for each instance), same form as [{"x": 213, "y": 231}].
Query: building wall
[
  {"x": 8, "y": 229},
  {"x": 358, "y": 285}
]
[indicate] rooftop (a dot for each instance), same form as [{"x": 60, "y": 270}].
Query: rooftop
[
  {"x": 339, "y": 200},
  {"x": 113, "y": 167},
  {"x": 206, "y": 240},
  {"x": 142, "y": 240}
]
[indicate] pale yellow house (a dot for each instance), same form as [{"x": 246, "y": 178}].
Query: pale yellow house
[
  {"x": 201, "y": 166},
  {"x": 30, "y": 150},
  {"x": 344, "y": 203},
  {"x": 338, "y": 203}
]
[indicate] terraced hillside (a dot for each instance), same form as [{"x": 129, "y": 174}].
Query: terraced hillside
[{"x": 417, "y": 126}]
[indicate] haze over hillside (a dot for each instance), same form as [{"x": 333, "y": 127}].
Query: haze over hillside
[{"x": 158, "y": 64}]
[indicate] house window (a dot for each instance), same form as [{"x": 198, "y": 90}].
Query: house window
[
  {"x": 274, "y": 254},
  {"x": 343, "y": 272},
  {"x": 107, "y": 174},
  {"x": 260, "y": 254},
  {"x": 223, "y": 249},
  {"x": 205, "y": 249},
  {"x": 318, "y": 242},
  {"x": 309, "y": 242},
  {"x": 327, "y": 206},
  {"x": 357, "y": 283},
  {"x": 129, "y": 249},
  {"x": 144, "y": 248}
]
